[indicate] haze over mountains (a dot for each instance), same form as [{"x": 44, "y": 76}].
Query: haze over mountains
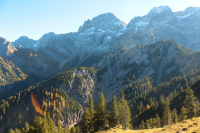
[{"x": 161, "y": 45}]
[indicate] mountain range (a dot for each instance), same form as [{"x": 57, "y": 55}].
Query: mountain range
[{"x": 104, "y": 55}]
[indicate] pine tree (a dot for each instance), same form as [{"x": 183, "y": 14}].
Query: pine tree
[
  {"x": 17, "y": 130},
  {"x": 142, "y": 125},
  {"x": 26, "y": 127},
  {"x": 100, "y": 115},
  {"x": 183, "y": 114},
  {"x": 91, "y": 110},
  {"x": 85, "y": 125},
  {"x": 167, "y": 119},
  {"x": 73, "y": 130},
  {"x": 147, "y": 124},
  {"x": 11, "y": 131},
  {"x": 161, "y": 101},
  {"x": 39, "y": 124},
  {"x": 174, "y": 116},
  {"x": 59, "y": 126},
  {"x": 51, "y": 126},
  {"x": 189, "y": 103},
  {"x": 158, "y": 121},
  {"x": 124, "y": 112},
  {"x": 114, "y": 113}
]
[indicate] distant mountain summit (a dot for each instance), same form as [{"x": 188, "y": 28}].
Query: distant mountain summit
[
  {"x": 107, "y": 21},
  {"x": 24, "y": 41}
]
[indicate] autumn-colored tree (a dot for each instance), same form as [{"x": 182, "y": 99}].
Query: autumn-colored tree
[{"x": 148, "y": 107}]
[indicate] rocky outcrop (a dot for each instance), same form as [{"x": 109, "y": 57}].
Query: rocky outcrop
[
  {"x": 73, "y": 119},
  {"x": 6, "y": 48}
]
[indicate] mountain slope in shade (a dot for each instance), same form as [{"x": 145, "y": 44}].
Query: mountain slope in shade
[
  {"x": 55, "y": 95},
  {"x": 161, "y": 61}
]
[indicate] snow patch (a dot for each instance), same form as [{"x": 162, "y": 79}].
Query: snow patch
[
  {"x": 184, "y": 16},
  {"x": 160, "y": 9},
  {"x": 36, "y": 44},
  {"x": 108, "y": 37}
]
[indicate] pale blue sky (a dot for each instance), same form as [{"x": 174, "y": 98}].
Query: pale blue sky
[{"x": 33, "y": 18}]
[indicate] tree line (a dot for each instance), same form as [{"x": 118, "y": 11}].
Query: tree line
[
  {"x": 169, "y": 117},
  {"x": 98, "y": 118}
]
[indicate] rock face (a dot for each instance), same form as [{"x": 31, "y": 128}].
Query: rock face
[
  {"x": 6, "y": 48},
  {"x": 74, "y": 119}
]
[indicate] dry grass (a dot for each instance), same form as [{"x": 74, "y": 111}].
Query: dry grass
[{"x": 187, "y": 126}]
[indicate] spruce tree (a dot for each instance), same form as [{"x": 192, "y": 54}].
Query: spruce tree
[
  {"x": 91, "y": 111},
  {"x": 59, "y": 126},
  {"x": 183, "y": 114},
  {"x": 189, "y": 103},
  {"x": 26, "y": 127},
  {"x": 161, "y": 101},
  {"x": 174, "y": 116},
  {"x": 85, "y": 125},
  {"x": 142, "y": 125},
  {"x": 158, "y": 121},
  {"x": 11, "y": 131},
  {"x": 114, "y": 113},
  {"x": 51, "y": 125},
  {"x": 39, "y": 125},
  {"x": 167, "y": 119},
  {"x": 100, "y": 115},
  {"x": 124, "y": 112},
  {"x": 73, "y": 130},
  {"x": 17, "y": 130}
]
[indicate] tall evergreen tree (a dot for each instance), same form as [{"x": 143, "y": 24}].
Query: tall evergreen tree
[
  {"x": 100, "y": 115},
  {"x": 189, "y": 103},
  {"x": 142, "y": 125},
  {"x": 167, "y": 119},
  {"x": 59, "y": 126},
  {"x": 51, "y": 125},
  {"x": 11, "y": 131},
  {"x": 174, "y": 116},
  {"x": 183, "y": 114},
  {"x": 91, "y": 111},
  {"x": 39, "y": 124},
  {"x": 26, "y": 127},
  {"x": 161, "y": 101},
  {"x": 124, "y": 112},
  {"x": 114, "y": 113},
  {"x": 73, "y": 130},
  {"x": 85, "y": 125},
  {"x": 158, "y": 121}
]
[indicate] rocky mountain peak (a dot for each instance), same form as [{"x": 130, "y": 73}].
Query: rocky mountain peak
[
  {"x": 24, "y": 41},
  {"x": 106, "y": 21},
  {"x": 187, "y": 12},
  {"x": 160, "y": 10}
]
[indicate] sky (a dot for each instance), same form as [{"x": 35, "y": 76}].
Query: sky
[{"x": 34, "y": 18}]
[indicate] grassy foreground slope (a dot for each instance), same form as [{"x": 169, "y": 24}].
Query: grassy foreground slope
[{"x": 189, "y": 126}]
